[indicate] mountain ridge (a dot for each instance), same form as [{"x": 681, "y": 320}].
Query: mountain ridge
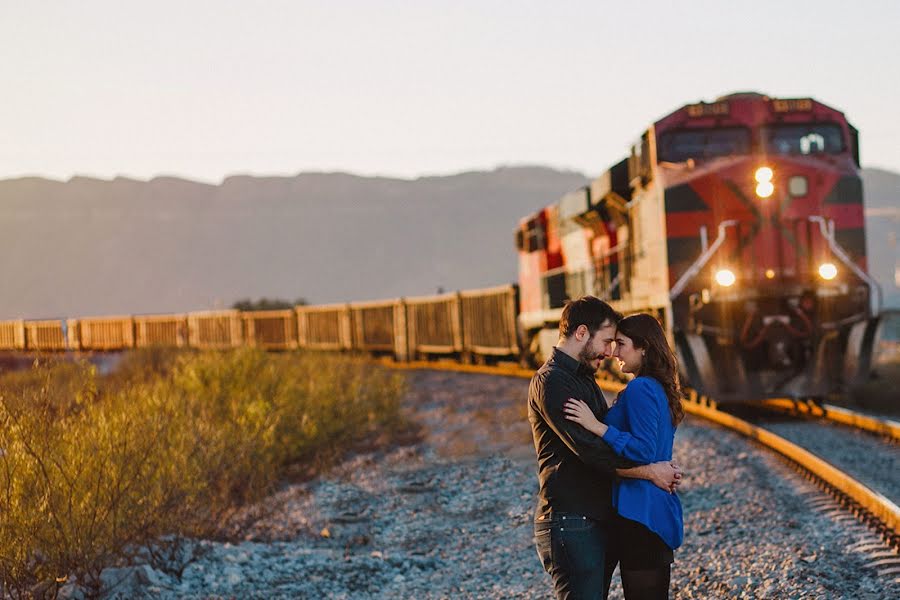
[{"x": 91, "y": 246}]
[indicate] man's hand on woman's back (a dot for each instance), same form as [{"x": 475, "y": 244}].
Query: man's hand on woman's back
[{"x": 665, "y": 475}]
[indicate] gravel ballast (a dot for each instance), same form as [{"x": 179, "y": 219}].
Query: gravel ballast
[
  {"x": 450, "y": 517},
  {"x": 870, "y": 459}
]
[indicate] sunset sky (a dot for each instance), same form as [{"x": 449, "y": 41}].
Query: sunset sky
[{"x": 207, "y": 89}]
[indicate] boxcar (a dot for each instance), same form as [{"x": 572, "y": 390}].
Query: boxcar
[
  {"x": 324, "y": 327},
  {"x": 270, "y": 329},
  {"x": 215, "y": 329},
  {"x": 434, "y": 325},
  {"x": 161, "y": 330},
  {"x": 48, "y": 334},
  {"x": 489, "y": 322},
  {"x": 12, "y": 335},
  {"x": 106, "y": 333},
  {"x": 380, "y": 327}
]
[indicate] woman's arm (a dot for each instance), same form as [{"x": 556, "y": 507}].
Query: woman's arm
[
  {"x": 665, "y": 474},
  {"x": 642, "y": 411},
  {"x": 581, "y": 413},
  {"x": 548, "y": 401}
]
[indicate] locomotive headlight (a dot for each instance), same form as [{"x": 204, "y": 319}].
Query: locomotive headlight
[
  {"x": 764, "y": 185},
  {"x": 725, "y": 277},
  {"x": 764, "y": 189},
  {"x": 764, "y": 174},
  {"x": 827, "y": 271}
]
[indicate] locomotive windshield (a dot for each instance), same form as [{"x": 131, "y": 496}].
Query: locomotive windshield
[
  {"x": 805, "y": 138},
  {"x": 679, "y": 146}
]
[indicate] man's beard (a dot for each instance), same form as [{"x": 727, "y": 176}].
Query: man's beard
[{"x": 586, "y": 357}]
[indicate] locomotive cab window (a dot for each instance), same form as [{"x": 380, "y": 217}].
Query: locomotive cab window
[
  {"x": 533, "y": 239},
  {"x": 699, "y": 144},
  {"x": 520, "y": 240},
  {"x": 803, "y": 138}
]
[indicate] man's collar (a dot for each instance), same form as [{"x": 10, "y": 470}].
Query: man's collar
[
  {"x": 571, "y": 364},
  {"x": 565, "y": 361}
]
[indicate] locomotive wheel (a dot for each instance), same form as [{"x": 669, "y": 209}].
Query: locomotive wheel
[
  {"x": 695, "y": 362},
  {"x": 862, "y": 342}
]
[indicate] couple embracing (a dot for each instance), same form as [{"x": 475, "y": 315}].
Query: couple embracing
[{"x": 607, "y": 480}]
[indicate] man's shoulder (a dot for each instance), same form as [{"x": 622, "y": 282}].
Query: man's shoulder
[
  {"x": 550, "y": 372},
  {"x": 550, "y": 385},
  {"x": 539, "y": 380}
]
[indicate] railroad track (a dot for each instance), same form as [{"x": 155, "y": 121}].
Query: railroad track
[
  {"x": 870, "y": 506},
  {"x": 836, "y": 414},
  {"x": 860, "y": 444}
]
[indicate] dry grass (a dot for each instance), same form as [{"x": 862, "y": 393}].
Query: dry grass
[{"x": 95, "y": 470}]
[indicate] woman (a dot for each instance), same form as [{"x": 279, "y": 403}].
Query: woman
[{"x": 641, "y": 426}]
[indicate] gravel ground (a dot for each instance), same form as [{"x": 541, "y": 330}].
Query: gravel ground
[
  {"x": 872, "y": 460},
  {"x": 450, "y": 517}
]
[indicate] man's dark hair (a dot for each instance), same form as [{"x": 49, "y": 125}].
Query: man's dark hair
[{"x": 587, "y": 310}]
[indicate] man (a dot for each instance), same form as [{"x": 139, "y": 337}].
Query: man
[{"x": 575, "y": 467}]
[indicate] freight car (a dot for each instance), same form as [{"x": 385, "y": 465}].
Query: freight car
[{"x": 473, "y": 326}]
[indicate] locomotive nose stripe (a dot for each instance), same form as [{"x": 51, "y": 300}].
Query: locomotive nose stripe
[
  {"x": 847, "y": 190},
  {"x": 756, "y": 225},
  {"x": 683, "y": 198}
]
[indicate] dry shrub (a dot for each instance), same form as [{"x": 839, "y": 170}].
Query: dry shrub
[
  {"x": 94, "y": 471},
  {"x": 143, "y": 365},
  {"x": 60, "y": 387}
]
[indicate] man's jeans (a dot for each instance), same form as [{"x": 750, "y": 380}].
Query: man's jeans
[{"x": 573, "y": 550}]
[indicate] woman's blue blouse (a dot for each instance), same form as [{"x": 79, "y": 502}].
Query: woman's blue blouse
[{"x": 640, "y": 428}]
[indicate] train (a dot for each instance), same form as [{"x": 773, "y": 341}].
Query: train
[{"x": 738, "y": 223}]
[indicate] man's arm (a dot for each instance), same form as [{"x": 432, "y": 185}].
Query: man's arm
[
  {"x": 664, "y": 475},
  {"x": 550, "y": 394}
]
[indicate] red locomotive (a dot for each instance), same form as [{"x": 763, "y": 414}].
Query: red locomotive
[{"x": 740, "y": 224}]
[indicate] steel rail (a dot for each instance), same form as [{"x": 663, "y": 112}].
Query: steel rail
[
  {"x": 885, "y": 427},
  {"x": 446, "y": 365},
  {"x": 874, "y": 504}
]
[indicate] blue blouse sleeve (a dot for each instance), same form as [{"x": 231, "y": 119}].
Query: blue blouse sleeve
[{"x": 641, "y": 409}]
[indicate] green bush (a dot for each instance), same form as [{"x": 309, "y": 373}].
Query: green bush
[{"x": 94, "y": 469}]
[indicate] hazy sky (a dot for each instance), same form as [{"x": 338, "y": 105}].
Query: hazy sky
[{"x": 207, "y": 89}]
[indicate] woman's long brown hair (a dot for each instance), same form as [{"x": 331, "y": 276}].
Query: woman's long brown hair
[{"x": 659, "y": 361}]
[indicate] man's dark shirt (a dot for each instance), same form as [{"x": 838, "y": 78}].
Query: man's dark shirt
[{"x": 575, "y": 467}]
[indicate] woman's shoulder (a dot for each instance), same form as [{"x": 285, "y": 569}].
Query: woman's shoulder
[{"x": 646, "y": 385}]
